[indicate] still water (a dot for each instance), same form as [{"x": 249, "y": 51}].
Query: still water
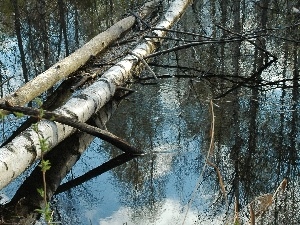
[{"x": 253, "y": 139}]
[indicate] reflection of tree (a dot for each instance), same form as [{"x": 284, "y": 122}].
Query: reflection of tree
[
  {"x": 47, "y": 30},
  {"x": 143, "y": 181},
  {"x": 19, "y": 38},
  {"x": 249, "y": 141},
  {"x": 262, "y": 142},
  {"x": 255, "y": 144},
  {"x": 63, "y": 24}
]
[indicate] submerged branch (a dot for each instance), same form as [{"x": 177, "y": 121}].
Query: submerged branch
[
  {"x": 181, "y": 32},
  {"x": 188, "y": 45},
  {"x": 248, "y": 79}
]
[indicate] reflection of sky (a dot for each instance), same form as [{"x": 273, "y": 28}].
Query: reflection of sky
[
  {"x": 175, "y": 168},
  {"x": 10, "y": 64},
  {"x": 169, "y": 124},
  {"x": 178, "y": 157},
  {"x": 171, "y": 214}
]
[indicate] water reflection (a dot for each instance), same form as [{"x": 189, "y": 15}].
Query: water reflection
[{"x": 256, "y": 128}]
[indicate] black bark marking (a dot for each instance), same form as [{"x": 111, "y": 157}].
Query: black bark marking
[
  {"x": 11, "y": 149},
  {"x": 72, "y": 114},
  {"x": 5, "y": 164}
]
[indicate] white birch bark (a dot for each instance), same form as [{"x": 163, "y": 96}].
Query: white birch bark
[
  {"x": 18, "y": 155},
  {"x": 74, "y": 61}
]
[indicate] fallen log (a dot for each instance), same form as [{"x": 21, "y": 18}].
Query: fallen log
[
  {"x": 73, "y": 62},
  {"x": 22, "y": 207},
  {"x": 25, "y": 148},
  {"x": 97, "y": 132}
]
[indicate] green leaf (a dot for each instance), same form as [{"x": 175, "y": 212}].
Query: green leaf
[
  {"x": 43, "y": 144},
  {"x": 41, "y": 113},
  {"x": 2, "y": 116},
  {"x": 18, "y": 114},
  {"x": 41, "y": 211},
  {"x": 40, "y": 191},
  {"x": 38, "y": 101},
  {"x": 45, "y": 165},
  {"x": 47, "y": 213},
  {"x": 35, "y": 127}
]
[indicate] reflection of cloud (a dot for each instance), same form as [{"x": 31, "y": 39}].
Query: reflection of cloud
[
  {"x": 122, "y": 216},
  {"x": 163, "y": 161},
  {"x": 171, "y": 214}
]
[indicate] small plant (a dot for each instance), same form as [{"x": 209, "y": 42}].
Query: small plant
[{"x": 45, "y": 166}]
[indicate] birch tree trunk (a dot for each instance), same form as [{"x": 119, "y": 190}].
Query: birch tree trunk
[
  {"x": 22, "y": 207},
  {"x": 73, "y": 62},
  {"x": 25, "y": 149}
]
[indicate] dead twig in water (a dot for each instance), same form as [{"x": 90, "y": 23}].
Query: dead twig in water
[
  {"x": 247, "y": 39},
  {"x": 220, "y": 179},
  {"x": 263, "y": 202},
  {"x": 97, "y": 132}
]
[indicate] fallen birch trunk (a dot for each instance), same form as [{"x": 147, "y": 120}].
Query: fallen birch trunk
[
  {"x": 73, "y": 62},
  {"x": 72, "y": 147},
  {"x": 25, "y": 149}
]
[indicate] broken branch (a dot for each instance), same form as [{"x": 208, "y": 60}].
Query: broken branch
[{"x": 103, "y": 134}]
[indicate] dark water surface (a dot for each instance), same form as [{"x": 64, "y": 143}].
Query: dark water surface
[{"x": 255, "y": 100}]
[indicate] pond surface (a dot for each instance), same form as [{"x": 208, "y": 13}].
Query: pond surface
[{"x": 227, "y": 107}]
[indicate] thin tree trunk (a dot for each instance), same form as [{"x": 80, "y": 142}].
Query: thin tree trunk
[
  {"x": 63, "y": 25},
  {"x": 19, "y": 38},
  {"x": 43, "y": 22},
  {"x": 76, "y": 25}
]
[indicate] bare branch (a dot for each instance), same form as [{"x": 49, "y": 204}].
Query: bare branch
[
  {"x": 103, "y": 134},
  {"x": 145, "y": 63},
  {"x": 246, "y": 39}
]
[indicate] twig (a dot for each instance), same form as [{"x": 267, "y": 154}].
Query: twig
[
  {"x": 236, "y": 211},
  {"x": 220, "y": 178},
  {"x": 281, "y": 187},
  {"x": 184, "y": 46},
  {"x": 3, "y": 82},
  {"x": 246, "y": 39},
  {"x": 182, "y": 32},
  {"x": 171, "y": 38},
  {"x": 140, "y": 20},
  {"x": 124, "y": 89},
  {"x": 103, "y": 134},
  {"x": 83, "y": 79},
  {"x": 145, "y": 63},
  {"x": 252, "y": 215},
  {"x": 212, "y": 129},
  {"x": 251, "y": 78}
]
